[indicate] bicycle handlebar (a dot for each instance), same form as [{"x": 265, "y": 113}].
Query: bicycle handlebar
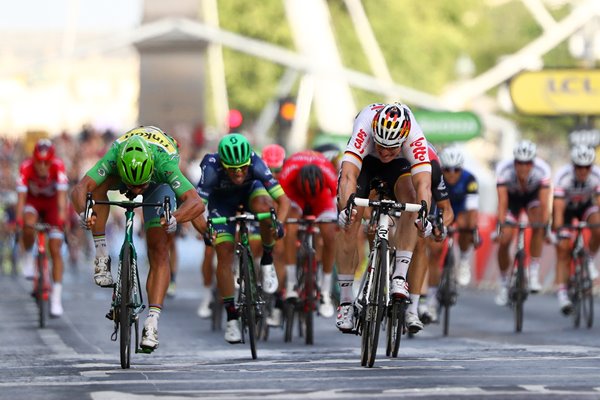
[
  {"x": 127, "y": 204},
  {"x": 310, "y": 219},
  {"x": 361, "y": 202}
]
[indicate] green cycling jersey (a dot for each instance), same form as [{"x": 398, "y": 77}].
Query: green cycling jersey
[{"x": 166, "y": 162}]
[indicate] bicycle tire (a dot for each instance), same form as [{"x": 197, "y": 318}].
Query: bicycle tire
[
  {"x": 395, "y": 328},
  {"x": 379, "y": 301},
  {"x": 310, "y": 290},
  {"x": 41, "y": 299},
  {"x": 125, "y": 309},
  {"x": 249, "y": 313},
  {"x": 288, "y": 308},
  {"x": 587, "y": 295},
  {"x": 447, "y": 290},
  {"x": 519, "y": 291}
]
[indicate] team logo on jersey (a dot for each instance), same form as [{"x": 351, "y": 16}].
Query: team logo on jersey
[
  {"x": 361, "y": 136},
  {"x": 154, "y": 138},
  {"x": 101, "y": 172},
  {"x": 418, "y": 148},
  {"x": 176, "y": 185},
  {"x": 472, "y": 187}
]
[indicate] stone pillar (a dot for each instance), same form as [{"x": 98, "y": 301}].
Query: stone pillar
[{"x": 172, "y": 73}]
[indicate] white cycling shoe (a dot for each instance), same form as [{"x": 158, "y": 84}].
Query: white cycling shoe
[
  {"x": 233, "y": 334},
  {"x": 345, "y": 317},
  {"x": 326, "y": 309},
  {"x": 399, "y": 288},
  {"x": 269, "y": 279},
  {"x": 204, "y": 310},
  {"x": 149, "y": 341},
  {"x": 413, "y": 323},
  {"x": 102, "y": 275},
  {"x": 502, "y": 296}
]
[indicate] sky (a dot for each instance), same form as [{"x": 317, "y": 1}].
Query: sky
[{"x": 53, "y": 14}]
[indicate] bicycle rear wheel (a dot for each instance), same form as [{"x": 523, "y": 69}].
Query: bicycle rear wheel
[
  {"x": 447, "y": 290},
  {"x": 249, "y": 313},
  {"x": 395, "y": 326},
  {"x": 519, "y": 290},
  {"x": 125, "y": 309}
]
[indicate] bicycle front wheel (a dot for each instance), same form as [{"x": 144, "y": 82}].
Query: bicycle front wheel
[
  {"x": 586, "y": 294},
  {"x": 41, "y": 294},
  {"x": 395, "y": 326},
  {"x": 126, "y": 283},
  {"x": 310, "y": 288},
  {"x": 249, "y": 313},
  {"x": 376, "y": 306},
  {"x": 519, "y": 290}
]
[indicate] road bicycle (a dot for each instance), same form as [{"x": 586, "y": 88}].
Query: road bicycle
[
  {"x": 580, "y": 286},
  {"x": 373, "y": 300},
  {"x": 41, "y": 278},
  {"x": 447, "y": 293},
  {"x": 309, "y": 293},
  {"x": 518, "y": 289},
  {"x": 250, "y": 302},
  {"x": 127, "y": 300}
]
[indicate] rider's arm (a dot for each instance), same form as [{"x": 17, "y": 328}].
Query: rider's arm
[
  {"x": 558, "y": 211},
  {"x": 347, "y": 185},
  {"x": 502, "y": 203},
  {"x": 448, "y": 213},
  {"x": 61, "y": 202},
  {"x": 422, "y": 184},
  {"x": 22, "y": 196},
  {"x": 545, "y": 203},
  {"x": 283, "y": 207},
  {"x": 191, "y": 206},
  {"x": 79, "y": 193}
]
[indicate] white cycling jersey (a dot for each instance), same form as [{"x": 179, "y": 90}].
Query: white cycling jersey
[
  {"x": 576, "y": 193},
  {"x": 361, "y": 144},
  {"x": 540, "y": 176}
]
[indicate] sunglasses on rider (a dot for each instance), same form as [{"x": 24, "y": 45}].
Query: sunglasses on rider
[
  {"x": 524, "y": 162},
  {"x": 451, "y": 170}
]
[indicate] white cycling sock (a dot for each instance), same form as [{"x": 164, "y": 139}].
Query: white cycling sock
[
  {"x": 466, "y": 255},
  {"x": 290, "y": 276},
  {"x": 100, "y": 245},
  {"x": 413, "y": 307},
  {"x": 346, "y": 294},
  {"x": 326, "y": 283},
  {"x": 403, "y": 258}
]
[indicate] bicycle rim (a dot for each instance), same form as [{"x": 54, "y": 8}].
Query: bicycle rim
[
  {"x": 124, "y": 309},
  {"x": 577, "y": 292},
  {"x": 249, "y": 301},
  {"x": 378, "y": 296}
]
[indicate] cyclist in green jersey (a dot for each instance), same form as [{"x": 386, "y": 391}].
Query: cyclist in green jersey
[{"x": 144, "y": 161}]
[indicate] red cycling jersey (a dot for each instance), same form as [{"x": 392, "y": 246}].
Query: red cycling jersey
[
  {"x": 324, "y": 201},
  {"x": 42, "y": 192}
]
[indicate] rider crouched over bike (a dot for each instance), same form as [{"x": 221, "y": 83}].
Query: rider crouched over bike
[
  {"x": 386, "y": 143},
  {"x": 310, "y": 181},
  {"x": 143, "y": 161},
  {"x": 237, "y": 176},
  {"x": 42, "y": 195},
  {"x": 576, "y": 196},
  {"x": 523, "y": 184}
]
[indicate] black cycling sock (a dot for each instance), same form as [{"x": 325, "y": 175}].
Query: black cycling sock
[
  {"x": 267, "y": 256},
  {"x": 229, "y": 303}
]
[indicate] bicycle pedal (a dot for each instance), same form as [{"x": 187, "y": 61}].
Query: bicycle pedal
[{"x": 145, "y": 350}]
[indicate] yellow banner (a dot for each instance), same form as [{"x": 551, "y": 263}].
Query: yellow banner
[{"x": 557, "y": 92}]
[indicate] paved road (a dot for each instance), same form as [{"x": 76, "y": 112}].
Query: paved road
[{"x": 74, "y": 357}]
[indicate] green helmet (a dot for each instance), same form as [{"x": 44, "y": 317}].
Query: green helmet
[
  {"x": 135, "y": 162},
  {"x": 234, "y": 150}
]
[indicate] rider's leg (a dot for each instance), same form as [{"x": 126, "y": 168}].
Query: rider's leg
[
  {"x": 405, "y": 235},
  {"x": 290, "y": 249},
  {"x": 55, "y": 246},
  {"x": 328, "y": 232},
  {"x": 535, "y": 248},
  {"x": 346, "y": 256},
  {"x": 261, "y": 202},
  {"x": 594, "y": 244},
  {"x": 505, "y": 239},
  {"x": 102, "y": 274},
  {"x": 563, "y": 261},
  {"x": 465, "y": 246},
  {"x": 30, "y": 218}
]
